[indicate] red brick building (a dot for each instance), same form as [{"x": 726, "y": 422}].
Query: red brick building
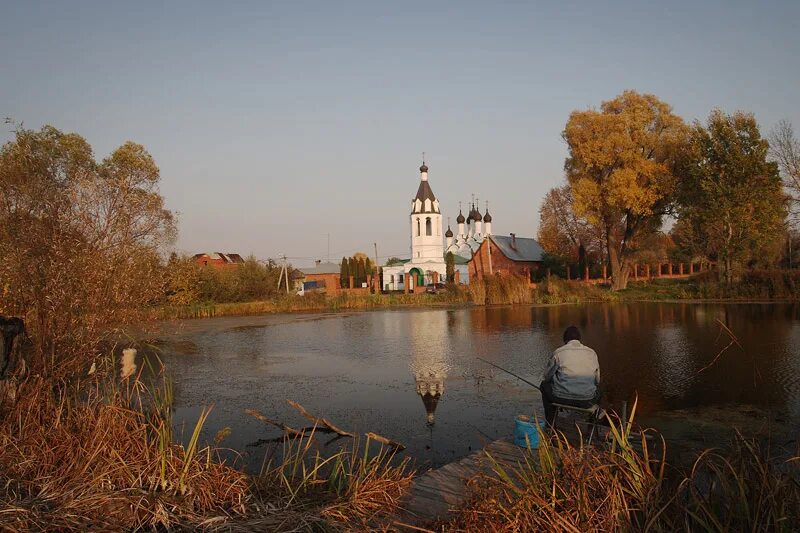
[
  {"x": 499, "y": 254},
  {"x": 324, "y": 276},
  {"x": 218, "y": 259}
]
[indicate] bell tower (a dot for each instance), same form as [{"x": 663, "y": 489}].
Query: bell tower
[{"x": 426, "y": 222}]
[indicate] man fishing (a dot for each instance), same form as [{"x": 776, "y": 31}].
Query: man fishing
[{"x": 572, "y": 376}]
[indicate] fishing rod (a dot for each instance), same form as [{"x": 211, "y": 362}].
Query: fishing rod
[{"x": 510, "y": 372}]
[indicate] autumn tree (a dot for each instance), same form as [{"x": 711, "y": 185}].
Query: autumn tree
[
  {"x": 564, "y": 234},
  {"x": 731, "y": 194},
  {"x": 620, "y": 171},
  {"x": 690, "y": 243},
  {"x": 80, "y": 240},
  {"x": 255, "y": 280},
  {"x": 183, "y": 280},
  {"x": 785, "y": 151}
]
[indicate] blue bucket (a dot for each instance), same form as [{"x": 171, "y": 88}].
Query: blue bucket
[{"x": 525, "y": 432}]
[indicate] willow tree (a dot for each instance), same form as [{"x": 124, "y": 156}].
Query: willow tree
[{"x": 620, "y": 171}]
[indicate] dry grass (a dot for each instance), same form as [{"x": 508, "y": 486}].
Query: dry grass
[
  {"x": 315, "y": 302},
  {"x": 624, "y": 487},
  {"x": 508, "y": 290},
  {"x": 99, "y": 455},
  {"x": 357, "y": 487},
  {"x": 556, "y": 291}
]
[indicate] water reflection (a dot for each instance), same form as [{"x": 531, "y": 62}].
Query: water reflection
[
  {"x": 377, "y": 371},
  {"x": 430, "y": 348}
]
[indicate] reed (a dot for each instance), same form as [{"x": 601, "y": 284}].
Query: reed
[
  {"x": 356, "y": 487},
  {"x": 626, "y": 486},
  {"x": 98, "y": 453},
  {"x": 316, "y": 302},
  {"x": 507, "y": 289},
  {"x": 557, "y": 291}
]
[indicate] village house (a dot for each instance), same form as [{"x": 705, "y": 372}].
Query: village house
[
  {"x": 218, "y": 259},
  {"x": 322, "y": 276},
  {"x": 513, "y": 255}
]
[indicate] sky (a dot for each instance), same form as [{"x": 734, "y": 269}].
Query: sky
[{"x": 282, "y": 127}]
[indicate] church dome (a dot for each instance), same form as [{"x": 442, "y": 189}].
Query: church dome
[
  {"x": 449, "y": 232},
  {"x": 423, "y": 168},
  {"x": 476, "y": 215},
  {"x": 487, "y": 217},
  {"x": 460, "y": 219}
]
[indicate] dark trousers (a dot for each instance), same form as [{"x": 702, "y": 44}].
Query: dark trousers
[{"x": 548, "y": 399}]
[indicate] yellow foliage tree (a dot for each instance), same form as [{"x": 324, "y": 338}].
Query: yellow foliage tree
[{"x": 620, "y": 171}]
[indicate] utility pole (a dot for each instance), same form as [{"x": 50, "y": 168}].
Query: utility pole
[
  {"x": 376, "y": 279},
  {"x": 284, "y": 275},
  {"x": 329, "y": 247}
]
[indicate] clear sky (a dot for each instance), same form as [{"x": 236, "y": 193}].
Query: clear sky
[{"x": 275, "y": 124}]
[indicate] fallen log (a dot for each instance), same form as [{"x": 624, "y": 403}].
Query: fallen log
[
  {"x": 291, "y": 431},
  {"x": 384, "y": 440},
  {"x": 319, "y": 421}
]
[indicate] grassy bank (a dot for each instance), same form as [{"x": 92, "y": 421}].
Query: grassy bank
[
  {"x": 509, "y": 290},
  {"x": 762, "y": 285},
  {"x": 493, "y": 291},
  {"x": 314, "y": 302}
]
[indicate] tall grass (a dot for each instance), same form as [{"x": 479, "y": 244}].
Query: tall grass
[
  {"x": 625, "y": 486},
  {"x": 752, "y": 285},
  {"x": 557, "y": 291},
  {"x": 98, "y": 453},
  {"x": 356, "y": 487},
  {"x": 508, "y": 290},
  {"x": 315, "y": 302}
]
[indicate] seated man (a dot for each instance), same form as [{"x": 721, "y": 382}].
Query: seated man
[{"x": 572, "y": 376}]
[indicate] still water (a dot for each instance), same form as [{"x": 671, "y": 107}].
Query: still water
[{"x": 413, "y": 376}]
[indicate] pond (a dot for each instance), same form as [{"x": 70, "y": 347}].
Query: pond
[{"x": 413, "y": 375}]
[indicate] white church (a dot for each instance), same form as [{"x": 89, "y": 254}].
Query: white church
[{"x": 428, "y": 247}]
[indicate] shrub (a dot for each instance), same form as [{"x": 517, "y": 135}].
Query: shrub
[{"x": 80, "y": 242}]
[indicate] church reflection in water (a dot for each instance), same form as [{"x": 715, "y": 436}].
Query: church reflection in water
[
  {"x": 429, "y": 358},
  {"x": 430, "y": 387}
]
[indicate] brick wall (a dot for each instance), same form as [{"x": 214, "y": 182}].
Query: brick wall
[
  {"x": 330, "y": 281},
  {"x": 479, "y": 264},
  {"x": 206, "y": 260}
]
